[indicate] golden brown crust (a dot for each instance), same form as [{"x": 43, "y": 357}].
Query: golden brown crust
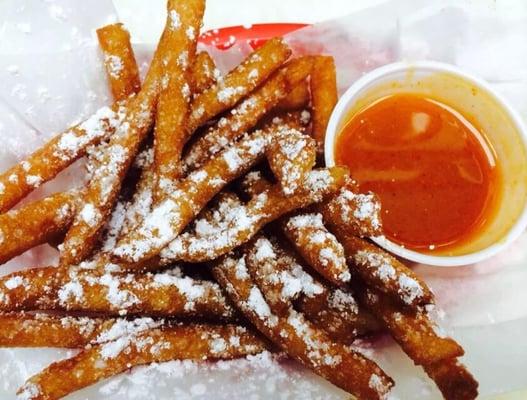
[
  {"x": 35, "y": 223},
  {"x": 41, "y": 330},
  {"x": 297, "y": 99},
  {"x": 163, "y": 294},
  {"x": 204, "y": 72},
  {"x": 413, "y": 330},
  {"x": 453, "y": 380},
  {"x": 119, "y": 61},
  {"x": 338, "y": 314},
  {"x": 300, "y": 339},
  {"x": 291, "y": 156},
  {"x": 243, "y": 79},
  {"x": 318, "y": 246},
  {"x": 170, "y": 133},
  {"x": 323, "y": 96},
  {"x": 259, "y": 211},
  {"x": 192, "y": 342},
  {"x": 384, "y": 272},
  {"x": 354, "y": 213}
]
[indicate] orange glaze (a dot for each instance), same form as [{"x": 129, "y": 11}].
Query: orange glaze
[{"x": 433, "y": 170}]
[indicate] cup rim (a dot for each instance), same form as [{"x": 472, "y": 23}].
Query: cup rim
[{"x": 432, "y": 66}]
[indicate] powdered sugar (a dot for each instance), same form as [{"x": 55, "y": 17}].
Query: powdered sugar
[
  {"x": 98, "y": 126},
  {"x": 156, "y": 229},
  {"x": 119, "y": 298},
  {"x": 189, "y": 288},
  {"x": 71, "y": 291},
  {"x": 14, "y": 282},
  {"x": 114, "y": 64},
  {"x": 89, "y": 214},
  {"x": 175, "y": 21},
  {"x": 362, "y": 211},
  {"x": 257, "y": 303},
  {"x": 232, "y": 158},
  {"x": 226, "y": 93},
  {"x": 382, "y": 266},
  {"x": 29, "y": 391},
  {"x": 319, "y": 246},
  {"x": 34, "y": 180},
  {"x": 376, "y": 383},
  {"x": 123, "y": 327},
  {"x": 410, "y": 289}
]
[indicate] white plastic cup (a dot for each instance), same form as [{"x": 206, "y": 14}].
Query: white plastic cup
[{"x": 473, "y": 98}]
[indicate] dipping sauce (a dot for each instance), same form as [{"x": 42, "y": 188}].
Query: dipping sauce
[{"x": 433, "y": 170}]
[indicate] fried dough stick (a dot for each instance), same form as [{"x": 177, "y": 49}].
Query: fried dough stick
[
  {"x": 337, "y": 312},
  {"x": 299, "y": 338},
  {"x": 35, "y": 223},
  {"x": 170, "y": 131},
  {"x": 119, "y": 61},
  {"x": 453, "y": 380},
  {"x": 323, "y": 96},
  {"x": 354, "y": 213},
  {"x": 192, "y": 342},
  {"x": 43, "y": 330},
  {"x": 58, "y": 153},
  {"x": 291, "y": 156},
  {"x": 203, "y": 73},
  {"x": 139, "y": 206},
  {"x": 384, "y": 272},
  {"x": 284, "y": 279},
  {"x": 318, "y": 246},
  {"x": 247, "y": 113},
  {"x": 297, "y": 99},
  {"x": 333, "y": 310},
  {"x": 168, "y": 218},
  {"x": 416, "y": 334},
  {"x": 40, "y": 330},
  {"x": 413, "y": 330},
  {"x": 117, "y": 156},
  {"x": 239, "y": 82},
  {"x": 162, "y": 294},
  {"x": 259, "y": 211}
]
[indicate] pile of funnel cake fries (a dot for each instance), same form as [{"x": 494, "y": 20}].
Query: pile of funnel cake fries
[{"x": 206, "y": 230}]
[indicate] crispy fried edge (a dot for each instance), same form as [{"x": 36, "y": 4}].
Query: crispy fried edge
[
  {"x": 343, "y": 367},
  {"x": 162, "y": 294},
  {"x": 170, "y": 132},
  {"x": 114, "y": 41},
  {"x": 35, "y": 223},
  {"x": 103, "y": 188},
  {"x": 235, "y": 85},
  {"x": 192, "y": 342},
  {"x": 263, "y": 208},
  {"x": 323, "y": 96}
]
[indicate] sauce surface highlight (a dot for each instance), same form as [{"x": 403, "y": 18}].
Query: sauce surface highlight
[{"x": 432, "y": 169}]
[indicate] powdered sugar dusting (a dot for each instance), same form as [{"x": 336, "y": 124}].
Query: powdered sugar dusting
[
  {"x": 256, "y": 302},
  {"x": 98, "y": 126},
  {"x": 114, "y": 64}
]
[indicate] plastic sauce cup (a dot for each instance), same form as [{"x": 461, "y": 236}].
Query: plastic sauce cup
[{"x": 475, "y": 99}]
